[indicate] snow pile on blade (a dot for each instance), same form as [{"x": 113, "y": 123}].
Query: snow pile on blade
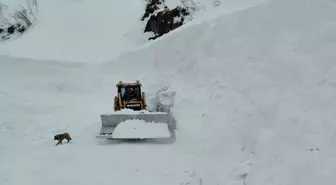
[
  {"x": 141, "y": 129},
  {"x": 165, "y": 99},
  {"x": 132, "y": 112}
]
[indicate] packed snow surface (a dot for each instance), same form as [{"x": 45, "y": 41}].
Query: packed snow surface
[
  {"x": 141, "y": 129},
  {"x": 255, "y": 104}
]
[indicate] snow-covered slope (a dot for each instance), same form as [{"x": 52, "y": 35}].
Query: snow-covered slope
[
  {"x": 92, "y": 31},
  {"x": 262, "y": 79},
  {"x": 89, "y": 31},
  {"x": 255, "y": 90}
]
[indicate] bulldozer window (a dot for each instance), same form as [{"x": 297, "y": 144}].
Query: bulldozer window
[
  {"x": 122, "y": 91},
  {"x": 129, "y": 93}
]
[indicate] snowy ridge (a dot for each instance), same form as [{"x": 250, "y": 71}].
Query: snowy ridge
[
  {"x": 255, "y": 101},
  {"x": 73, "y": 30},
  {"x": 83, "y": 26}
]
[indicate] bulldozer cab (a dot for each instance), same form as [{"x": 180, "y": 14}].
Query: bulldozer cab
[{"x": 129, "y": 91}]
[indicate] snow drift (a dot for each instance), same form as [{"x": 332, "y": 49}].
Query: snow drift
[
  {"x": 255, "y": 94},
  {"x": 261, "y": 79}
]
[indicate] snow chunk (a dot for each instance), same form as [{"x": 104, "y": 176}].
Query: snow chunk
[
  {"x": 130, "y": 111},
  {"x": 141, "y": 129}
]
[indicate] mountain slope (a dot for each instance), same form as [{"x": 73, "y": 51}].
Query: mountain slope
[
  {"x": 91, "y": 31},
  {"x": 264, "y": 75},
  {"x": 254, "y": 91}
]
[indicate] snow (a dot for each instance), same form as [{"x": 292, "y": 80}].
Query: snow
[
  {"x": 255, "y": 95},
  {"x": 132, "y": 112},
  {"x": 88, "y": 31},
  {"x": 81, "y": 31},
  {"x": 141, "y": 129}
]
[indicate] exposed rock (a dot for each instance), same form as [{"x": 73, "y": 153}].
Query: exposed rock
[
  {"x": 5, "y": 33},
  {"x": 14, "y": 22},
  {"x": 152, "y": 6},
  {"x": 161, "y": 19},
  {"x": 11, "y": 29}
]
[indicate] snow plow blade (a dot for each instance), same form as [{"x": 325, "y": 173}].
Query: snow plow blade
[{"x": 139, "y": 125}]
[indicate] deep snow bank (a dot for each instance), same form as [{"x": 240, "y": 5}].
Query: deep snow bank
[{"x": 263, "y": 78}]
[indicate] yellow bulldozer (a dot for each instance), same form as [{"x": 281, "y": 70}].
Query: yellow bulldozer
[
  {"x": 129, "y": 96},
  {"x": 131, "y": 118}
]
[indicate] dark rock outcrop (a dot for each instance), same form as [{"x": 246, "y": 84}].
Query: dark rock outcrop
[
  {"x": 11, "y": 29},
  {"x": 5, "y": 33},
  {"x": 16, "y": 23},
  {"x": 151, "y": 7},
  {"x": 162, "y": 22}
]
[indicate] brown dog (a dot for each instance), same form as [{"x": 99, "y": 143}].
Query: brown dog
[{"x": 60, "y": 138}]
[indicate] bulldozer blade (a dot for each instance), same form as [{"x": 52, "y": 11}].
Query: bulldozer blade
[{"x": 111, "y": 121}]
